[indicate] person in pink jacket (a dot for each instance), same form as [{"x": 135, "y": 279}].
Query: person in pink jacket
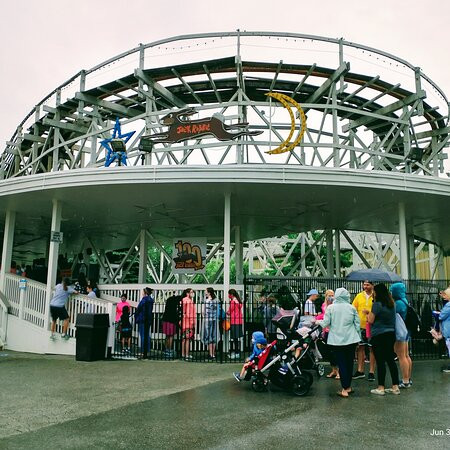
[
  {"x": 119, "y": 307},
  {"x": 236, "y": 320},
  {"x": 187, "y": 322}
]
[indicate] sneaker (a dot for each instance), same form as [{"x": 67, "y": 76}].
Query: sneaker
[
  {"x": 371, "y": 377},
  {"x": 377, "y": 391},
  {"x": 53, "y": 337},
  {"x": 446, "y": 370},
  {"x": 237, "y": 376},
  {"x": 392, "y": 391},
  {"x": 410, "y": 382},
  {"x": 358, "y": 375},
  {"x": 403, "y": 385},
  {"x": 188, "y": 358},
  {"x": 65, "y": 337}
]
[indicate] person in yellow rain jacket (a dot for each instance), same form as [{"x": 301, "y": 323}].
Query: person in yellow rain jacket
[{"x": 363, "y": 304}]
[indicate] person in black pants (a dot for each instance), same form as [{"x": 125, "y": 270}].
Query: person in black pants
[
  {"x": 343, "y": 320},
  {"x": 382, "y": 320}
]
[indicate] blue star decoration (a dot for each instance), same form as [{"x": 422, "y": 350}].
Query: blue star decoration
[{"x": 111, "y": 155}]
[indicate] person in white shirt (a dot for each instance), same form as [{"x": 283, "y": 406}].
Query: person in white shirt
[
  {"x": 91, "y": 294},
  {"x": 310, "y": 307}
]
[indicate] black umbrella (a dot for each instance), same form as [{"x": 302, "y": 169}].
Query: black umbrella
[{"x": 373, "y": 275}]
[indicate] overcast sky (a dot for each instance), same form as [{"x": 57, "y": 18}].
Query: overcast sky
[{"x": 44, "y": 42}]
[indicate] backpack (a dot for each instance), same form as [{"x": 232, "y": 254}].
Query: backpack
[{"x": 412, "y": 320}]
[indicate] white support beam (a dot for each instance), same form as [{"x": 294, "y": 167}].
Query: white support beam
[
  {"x": 110, "y": 106},
  {"x": 52, "y": 258},
  {"x": 8, "y": 242},
  {"x": 159, "y": 89},
  {"x": 239, "y": 255},
  {"x": 412, "y": 256},
  {"x": 356, "y": 249},
  {"x": 226, "y": 243},
  {"x": 330, "y": 259},
  {"x": 337, "y": 252},
  {"x": 143, "y": 250},
  {"x": 403, "y": 241}
]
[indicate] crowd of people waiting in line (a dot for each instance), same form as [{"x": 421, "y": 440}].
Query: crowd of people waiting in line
[{"x": 376, "y": 320}]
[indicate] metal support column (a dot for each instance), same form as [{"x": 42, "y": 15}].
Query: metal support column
[
  {"x": 330, "y": 258},
  {"x": 226, "y": 243},
  {"x": 432, "y": 261},
  {"x": 412, "y": 256},
  {"x": 52, "y": 258},
  {"x": 302, "y": 254},
  {"x": 337, "y": 252},
  {"x": 403, "y": 238},
  {"x": 8, "y": 242},
  {"x": 238, "y": 255},
  {"x": 441, "y": 265},
  {"x": 143, "y": 250}
]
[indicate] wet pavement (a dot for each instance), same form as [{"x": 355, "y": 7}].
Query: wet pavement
[{"x": 56, "y": 402}]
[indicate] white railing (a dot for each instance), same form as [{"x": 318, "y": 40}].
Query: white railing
[
  {"x": 3, "y": 320},
  {"x": 29, "y": 302},
  {"x": 79, "y": 304},
  {"x": 33, "y": 309},
  {"x": 12, "y": 293}
]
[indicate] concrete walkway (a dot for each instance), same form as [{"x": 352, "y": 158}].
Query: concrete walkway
[{"x": 56, "y": 402}]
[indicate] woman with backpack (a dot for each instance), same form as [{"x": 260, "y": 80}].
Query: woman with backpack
[
  {"x": 382, "y": 320},
  {"x": 401, "y": 348},
  {"x": 125, "y": 329},
  {"x": 169, "y": 323}
]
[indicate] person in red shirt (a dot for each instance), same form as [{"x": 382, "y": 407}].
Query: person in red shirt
[
  {"x": 187, "y": 322},
  {"x": 119, "y": 307},
  {"x": 236, "y": 320}
]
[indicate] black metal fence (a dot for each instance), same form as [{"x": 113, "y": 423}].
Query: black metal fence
[
  {"x": 212, "y": 338},
  {"x": 215, "y": 339}
]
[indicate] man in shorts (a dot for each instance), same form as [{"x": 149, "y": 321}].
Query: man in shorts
[
  {"x": 362, "y": 303},
  {"x": 58, "y": 307}
]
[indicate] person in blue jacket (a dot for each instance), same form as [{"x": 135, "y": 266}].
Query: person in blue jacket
[
  {"x": 398, "y": 292},
  {"x": 444, "y": 318},
  {"x": 259, "y": 344},
  {"x": 144, "y": 316}
]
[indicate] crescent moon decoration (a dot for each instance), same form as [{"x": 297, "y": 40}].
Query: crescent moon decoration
[{"x": 287, "y": 101}]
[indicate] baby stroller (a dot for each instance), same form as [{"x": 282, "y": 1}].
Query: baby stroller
[{"x": 290, "y": 363}]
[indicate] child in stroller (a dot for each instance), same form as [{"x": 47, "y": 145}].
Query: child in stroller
[
  {"x": 259, "y": 344},
  {"x": 287, "y": 366}
]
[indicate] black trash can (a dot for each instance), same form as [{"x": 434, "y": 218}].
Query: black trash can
[{"x": 91, "y": 336}]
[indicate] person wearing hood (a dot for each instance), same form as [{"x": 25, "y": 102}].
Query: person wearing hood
[
  {"x": 344, "y": 324},
  {"x": 444, "y": 318},
  {"x": 398, "y": 292},
  {"x": 259, "y": 344}
]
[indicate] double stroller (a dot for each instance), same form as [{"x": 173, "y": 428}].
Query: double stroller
[{"x": 289, "y": 361}]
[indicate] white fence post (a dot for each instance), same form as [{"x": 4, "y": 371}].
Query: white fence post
[
  {"x": 111, "y": 330},
  {"x": 21, "y": 302}
]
